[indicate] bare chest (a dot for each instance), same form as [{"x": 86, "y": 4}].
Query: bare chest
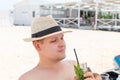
[
  {"x": 50, "y": 75},
  {"x": 61, "y": 72}
]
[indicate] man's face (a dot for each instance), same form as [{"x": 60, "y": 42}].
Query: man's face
[{"x": 53, "y": 47}]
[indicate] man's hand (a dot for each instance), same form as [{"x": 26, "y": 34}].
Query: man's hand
[{"x": 90, "y": 76}]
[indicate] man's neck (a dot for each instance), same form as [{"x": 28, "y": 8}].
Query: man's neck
[{"x": 48, "y": 64}]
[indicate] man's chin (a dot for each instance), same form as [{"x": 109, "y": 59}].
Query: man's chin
[{"x": 61, "y": 58}]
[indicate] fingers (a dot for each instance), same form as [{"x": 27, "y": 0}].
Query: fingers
[
  {"x": 92, "y": 76},
  {"x": 89, "y": 79},
  {"x": 88, "y": 75},
  {"x": 97, "y": 76}
]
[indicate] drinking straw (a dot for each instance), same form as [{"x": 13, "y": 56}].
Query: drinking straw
[{"x": 76, "y": 56}]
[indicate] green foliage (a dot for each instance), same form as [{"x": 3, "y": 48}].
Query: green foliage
[
  {"x": 106, "y": 16},
  {"x": 79, "y": 72}
]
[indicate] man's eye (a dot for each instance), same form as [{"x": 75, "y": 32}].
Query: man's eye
[{"x": 53, "y": 41}]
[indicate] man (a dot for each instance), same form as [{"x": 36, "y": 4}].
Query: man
[{"x": 48, "y": 40}]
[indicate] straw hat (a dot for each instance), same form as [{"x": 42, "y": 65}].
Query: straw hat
[{"x": 43, "y": 27}]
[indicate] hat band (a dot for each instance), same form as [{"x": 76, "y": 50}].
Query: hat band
[{"x": 46, "y": 32}]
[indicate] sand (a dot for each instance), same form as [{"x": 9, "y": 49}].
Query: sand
[{"x": 95, "y": 47}]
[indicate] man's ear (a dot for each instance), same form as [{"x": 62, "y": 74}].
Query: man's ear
[{"x": 36, "y": 45}]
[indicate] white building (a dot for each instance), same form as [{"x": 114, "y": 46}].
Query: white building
[
  {"x": 24, "y": 12},
  {"x": 5, "y": 19},
  {"x": 27, "y": 10}
]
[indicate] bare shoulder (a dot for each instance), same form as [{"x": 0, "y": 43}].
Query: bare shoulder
[
  {"x": 26, "y": 75},
  {"x": 69, "y": 67}
]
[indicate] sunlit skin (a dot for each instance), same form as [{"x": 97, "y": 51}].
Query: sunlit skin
[{"x": 51, "y": 51}]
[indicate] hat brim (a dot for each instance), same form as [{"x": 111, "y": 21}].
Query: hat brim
[{"x": 39, "y": 38}]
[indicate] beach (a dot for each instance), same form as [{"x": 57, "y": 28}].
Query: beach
[{"x": 97, "y": 48}]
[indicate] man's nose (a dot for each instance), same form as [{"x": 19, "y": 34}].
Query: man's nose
[{"x": 62, "y": 43}]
